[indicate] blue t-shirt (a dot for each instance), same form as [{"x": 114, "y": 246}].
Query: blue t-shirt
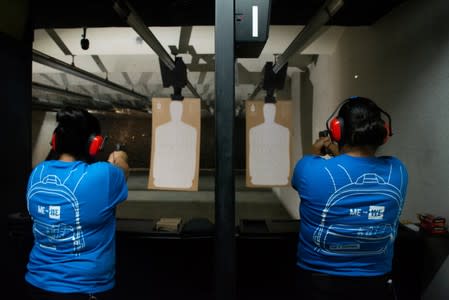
[
  {"x": 72, "y": 205},
  {"x": 350, "y": 208}
]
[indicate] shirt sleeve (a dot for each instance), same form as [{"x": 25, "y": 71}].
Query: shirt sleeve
[
  {"x": 299, "y": 171},
  {"x": 310, "y": 178},
  {"x": 118, "y": 187},
  {"x": 403, "y": 177}
]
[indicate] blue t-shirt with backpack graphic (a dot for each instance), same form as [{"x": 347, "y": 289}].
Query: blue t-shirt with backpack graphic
[
  {"x": 350, "y": 208},
  {"x": 72, "y": 205}
]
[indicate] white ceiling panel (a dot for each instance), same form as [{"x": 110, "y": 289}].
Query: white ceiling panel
[
  {"x": 131, "y": 63},
  {"x": 116, "y": 40}
]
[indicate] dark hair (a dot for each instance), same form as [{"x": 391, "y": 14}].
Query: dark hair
[
  {"x": 363, "y": 123},
  {"x": 75, "y": 128}
]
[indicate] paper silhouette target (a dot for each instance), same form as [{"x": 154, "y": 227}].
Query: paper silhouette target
[
  {"x": 175, "y": 144},
  {"x": 268, "y": 135}
]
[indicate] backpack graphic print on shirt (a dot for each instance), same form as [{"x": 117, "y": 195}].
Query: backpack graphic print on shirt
[
  {"x": 55, "y": 211},
  {"x": 368, "y": 229}
]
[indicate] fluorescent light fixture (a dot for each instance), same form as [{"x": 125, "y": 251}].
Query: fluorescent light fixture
[{"x": 255, "y": 17}]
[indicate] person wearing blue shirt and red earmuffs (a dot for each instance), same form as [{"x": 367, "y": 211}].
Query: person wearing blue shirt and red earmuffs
[
  {"x": 71, "y": 200},
  {"x": 350, "y": 204}
]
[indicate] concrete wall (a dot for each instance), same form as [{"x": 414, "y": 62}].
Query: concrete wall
[
  {"x": 42, "y": 126},
  {"x": 402, "y": 63}
]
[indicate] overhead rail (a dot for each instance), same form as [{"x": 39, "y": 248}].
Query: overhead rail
[
  {"x": 55, "y": 90},
  {"x": 54, "y": 63},
  {"x": 307, "y": 35},
  {"x": 85, "y": 100},
  {"x": 45, "y": 103},
  {"x": 125, "y": 11}
]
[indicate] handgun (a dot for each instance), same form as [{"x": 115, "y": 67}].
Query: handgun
[
  {"x": 324, "y": 150},
  {"x": 323, "y": 133}
]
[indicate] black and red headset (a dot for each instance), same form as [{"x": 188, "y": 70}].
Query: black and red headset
[
  {"x": 335, "y": 124},
  {"x": 94, "y": 144}
]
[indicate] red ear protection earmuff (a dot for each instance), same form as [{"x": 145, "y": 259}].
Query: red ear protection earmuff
[
  {"x": 387, "y": 128},
  {"x": 335, "y": 125},
  {"x": 53, "y": 141},
  {"x": 95, "y": 144},
  {"x": 336, "y": 129}
]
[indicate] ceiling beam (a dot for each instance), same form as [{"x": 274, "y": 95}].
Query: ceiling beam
[
  {"x": 65, "y": 80},
  {"x": 307, "y": 35},
  {"x": 126, "y": 12},
  {"x": 127, "y": 78},
  {"x": 57, "y": 39},
  {"x": 52, "y": 62},
  {"x": 99, "y": 63},
  {"x": 184, "y": 39},
  {"x": 49, "y": 78}
]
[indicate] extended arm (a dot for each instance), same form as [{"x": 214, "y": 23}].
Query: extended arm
[
  {"x": 120, "y": 159},
  {"x": 324, "y": 142}
]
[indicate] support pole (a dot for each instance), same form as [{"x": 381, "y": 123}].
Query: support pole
[{"x": 225, "y": 258}]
